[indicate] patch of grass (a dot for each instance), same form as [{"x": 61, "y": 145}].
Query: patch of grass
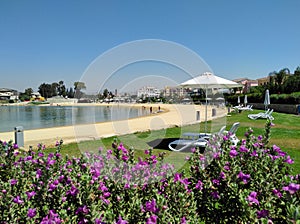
[{"x": 285, "y": 134}]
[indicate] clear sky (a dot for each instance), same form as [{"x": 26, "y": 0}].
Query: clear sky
[{"x": 48, "y": 41}]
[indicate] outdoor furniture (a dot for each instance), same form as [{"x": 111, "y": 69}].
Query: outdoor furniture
[
  {"x": 263, "y": 115},
  {"x": 247, "y": 108},
  {"x": 193, "y": 140}
]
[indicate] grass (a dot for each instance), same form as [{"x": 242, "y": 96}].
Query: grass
[{"x": 285, "y": 134}]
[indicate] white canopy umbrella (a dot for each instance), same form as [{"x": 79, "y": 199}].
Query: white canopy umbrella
[
  {"x": 267, "y": 99},
  {"x": 208, "y": 80}
]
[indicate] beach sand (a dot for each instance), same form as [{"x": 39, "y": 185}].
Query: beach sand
[{"x": 170, "y": 115}]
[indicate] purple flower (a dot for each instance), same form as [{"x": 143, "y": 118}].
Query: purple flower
[
  {"x": 233, "y": 153},
  {"x": 292, "y": 188},
  {"x": 151, "y": 206},
  {"x": 52, "y": 187},
  {"x": 222, "y": 175},
  {"x": 262, "y": 214},
  {"x": 216, "y": 182},
  {"x": 30, "y": 194},
  {"x": 215, "y": 195},
  {"x": 152, "y": 219},
  {"x": 243, "y": 148},
  {"x": 82, "y": 210},
  {"x": 73, "y": 191},
  {"x": 254, "y": 153},
  {"x": 38, "y": 173},
  {"x": 225, "y": 138},
  {"x": 252, "y": 198},
  {"x": 18, "y": 200},
  {"x": 52, "y": 217},
  {"x": 15, "y": 146},
  {"x": 183, "y": 221},
  {"x": 50, "y": 162},
  {"x": 289, "y": 160},
  {"x": 216, "y": 155},
  {"x": 259, "y": 138},
  {"x": 244, "y": 177},
  {"x": 177, "y": 177},
  {"x": 13, "y": 182},
  {"x": 277, "y": 193},
  {"x": 125, "y": 158},
  {"x": 121, "y": 221},
  {"x": 199, "y": 185},
  {"x": 31, "y": 212}
]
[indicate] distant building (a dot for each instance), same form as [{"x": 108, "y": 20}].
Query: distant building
[
  {"x": 263, "y": 81},
  {"x": 174, "y": 92},
  {"x": 247, "y": 83},
  {"x": 8, "y": 94},
  {"x": 148, "y": 92}
]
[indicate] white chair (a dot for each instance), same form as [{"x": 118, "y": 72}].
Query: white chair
[{"x": 193, "y": 140}]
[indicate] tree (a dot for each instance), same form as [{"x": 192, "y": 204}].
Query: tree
[
  {"x": 105, "y": 93},
  {"x": 45, "y": 90},
  {"x": 70, "y": 93},
  {"x": 28, "y": 91},
  {"x": 61, "y": 89},
  {"x": 54, "y": 87},
  {"x": 297, "y": 71},
  {"x": 78, "y": 86}
]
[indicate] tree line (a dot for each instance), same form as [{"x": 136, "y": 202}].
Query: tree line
[
  {"x": 282, "y": 81},
  {"x": 48, "y": 90}
]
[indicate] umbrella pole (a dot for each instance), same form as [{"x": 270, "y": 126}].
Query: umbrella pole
[{"x": 205, "y": 130}]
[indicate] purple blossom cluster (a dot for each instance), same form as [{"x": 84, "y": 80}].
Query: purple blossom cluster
[{"x": 237, "y": 182}]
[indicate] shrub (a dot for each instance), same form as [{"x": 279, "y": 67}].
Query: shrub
[{"x": 246, "y": 183}]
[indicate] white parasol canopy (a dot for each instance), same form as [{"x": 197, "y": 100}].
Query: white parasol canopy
[
  {"x": 267, "y": 99},
  {"x": 208, "y": 81}
]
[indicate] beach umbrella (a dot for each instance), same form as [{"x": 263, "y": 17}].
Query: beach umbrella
[
  {"x": 208, "y": 81},
  {"x": 267, "y": 99},
  {"x": 245, "y": 100}
]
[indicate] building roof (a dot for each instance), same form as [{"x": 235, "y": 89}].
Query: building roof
[{"x": 7, "y": 90}]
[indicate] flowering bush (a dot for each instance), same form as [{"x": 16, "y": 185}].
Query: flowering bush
[{"x": 249, "y": 182}]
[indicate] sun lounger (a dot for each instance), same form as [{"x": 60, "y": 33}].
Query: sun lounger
[
  {"x": 262, "y": 115},
  {"x": 194, "y": 140}
]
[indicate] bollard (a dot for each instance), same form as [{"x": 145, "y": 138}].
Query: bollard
[
  {"x": 19, "y": 136},
  {"x": 213, "y": 112},
  {"x": 198, "y": 115}
]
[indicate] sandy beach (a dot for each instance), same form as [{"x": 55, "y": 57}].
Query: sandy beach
[{"x": 170, "y": 115}]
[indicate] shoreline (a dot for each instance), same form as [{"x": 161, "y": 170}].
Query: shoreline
[{"x": 172, "y": 115}]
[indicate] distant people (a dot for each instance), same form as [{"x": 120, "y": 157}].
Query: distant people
[
  {"x": 150, "y": 110},
  {"x": 158, "y": 108}
]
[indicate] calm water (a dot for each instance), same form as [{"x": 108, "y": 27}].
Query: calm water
[{"x": 33, "y": 117}]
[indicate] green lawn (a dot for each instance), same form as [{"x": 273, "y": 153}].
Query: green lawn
[{"x": 285, "y": 134}]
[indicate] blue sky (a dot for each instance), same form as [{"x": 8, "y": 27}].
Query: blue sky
[{"x": 49, "y": 41}]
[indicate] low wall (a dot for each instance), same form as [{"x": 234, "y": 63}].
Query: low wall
[{"x": 285, "y": 108}]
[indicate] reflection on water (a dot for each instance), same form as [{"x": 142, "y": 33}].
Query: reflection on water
[{"x": 33, "y": 117}]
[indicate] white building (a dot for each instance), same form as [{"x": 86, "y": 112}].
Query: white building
[
  {"x": 148, "y": 92},
  {"x": 8, "y": 94}
]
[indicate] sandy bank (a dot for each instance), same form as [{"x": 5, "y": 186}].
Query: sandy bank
[{"x": 173, "y": 115}]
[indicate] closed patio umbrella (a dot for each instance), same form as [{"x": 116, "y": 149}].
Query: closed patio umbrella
[
  {"x": 239, "y": 100},
  {"x": 208, "y": 80},
  {"x": 267, "y": 99},
  {"x": 245, "y": 100}
]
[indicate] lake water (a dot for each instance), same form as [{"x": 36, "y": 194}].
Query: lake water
[{"x": 34, "y": 117}]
